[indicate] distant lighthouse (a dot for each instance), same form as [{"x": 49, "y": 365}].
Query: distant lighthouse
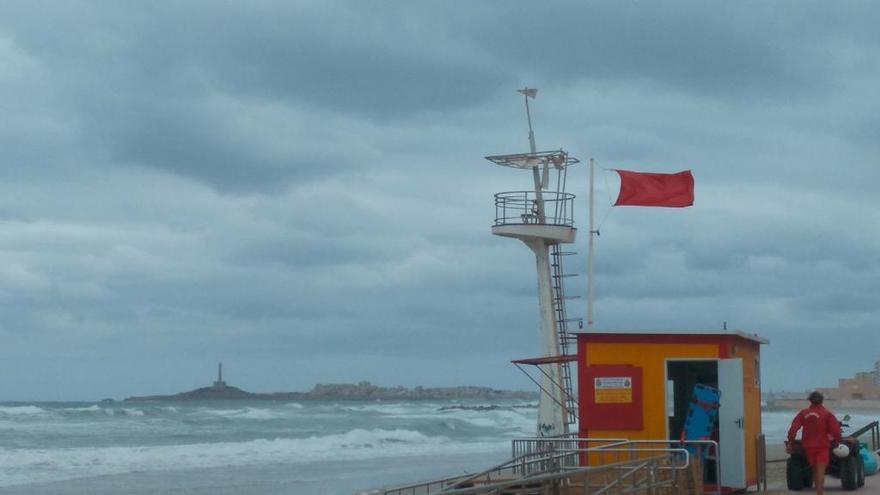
[{"x": 219, "y": 383}]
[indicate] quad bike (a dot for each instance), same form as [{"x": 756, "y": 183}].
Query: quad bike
[{"x": 850, "y": 469}]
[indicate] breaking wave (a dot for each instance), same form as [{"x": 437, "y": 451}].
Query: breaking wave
[
  {"x": 42, "y": 465},
  {"x": 245, "y": 413},
  {"x": 21, "y": 410}
]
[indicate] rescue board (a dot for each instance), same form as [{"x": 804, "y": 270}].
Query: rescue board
[{"x": 702, "y": 415}]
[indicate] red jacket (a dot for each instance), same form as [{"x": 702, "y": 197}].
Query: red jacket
[{"x": 820, "y": 427}]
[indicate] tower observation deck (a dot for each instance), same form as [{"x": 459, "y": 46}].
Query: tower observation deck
[
  {"x": 543, "y": 219},
  {"x": 540, "y": 213}
]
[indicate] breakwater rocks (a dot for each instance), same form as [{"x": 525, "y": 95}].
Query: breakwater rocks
[
  {"x": 368, "y": 391},
  {"x": 345, "y": 391}
]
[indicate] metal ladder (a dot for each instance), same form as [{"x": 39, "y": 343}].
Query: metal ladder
[{"x": 558, "y": 276}]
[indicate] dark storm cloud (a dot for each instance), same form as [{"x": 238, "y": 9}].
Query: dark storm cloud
[
  {"x": 176, "y": 88},
  {"x": 712, "y": 49},
  {"x": 839, "y": 302},
  {"x": 244, "y": 100},
  {"x": 193, "y": 142}
]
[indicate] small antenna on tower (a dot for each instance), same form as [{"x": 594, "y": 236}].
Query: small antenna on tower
[{"x": 529, "y": 93}]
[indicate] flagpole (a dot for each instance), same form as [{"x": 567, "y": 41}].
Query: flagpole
[{"x": 590, "y": 256}]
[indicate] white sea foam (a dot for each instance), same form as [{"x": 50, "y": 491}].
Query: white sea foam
[
  {"x": 20, "y": 466},
  {"x": 391, "y": 409},
  {"x": 109, "y": 411},
  {"x": 503, "y": 418},
  {"x": 245, "y": 413},
  {"x": 254, "y": 413},
  {"x": 21, "y": 410},
  {"x": 92, "y": 408}
]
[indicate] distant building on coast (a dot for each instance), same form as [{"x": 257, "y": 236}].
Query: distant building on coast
[
  {"x": 864, "y": 386},
  {"x": 860, "y": 391},
  {"x": 877, "y": 373}
]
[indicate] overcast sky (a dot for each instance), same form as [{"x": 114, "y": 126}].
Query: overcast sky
[{"x": 298, "y": 189}]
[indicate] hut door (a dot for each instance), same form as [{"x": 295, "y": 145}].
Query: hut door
[{"x": 731, "y": 433}]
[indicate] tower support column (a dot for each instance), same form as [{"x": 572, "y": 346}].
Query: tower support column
[{"x": 551, "y": 415}]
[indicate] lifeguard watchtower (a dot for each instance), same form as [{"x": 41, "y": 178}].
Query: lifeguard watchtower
[{"x": 543, "y": 219}]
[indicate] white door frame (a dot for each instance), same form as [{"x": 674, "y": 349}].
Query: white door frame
[
  {"x": 666, "y": 380},
  {"x": 731, "y": 423},
  {"x": 739, "y": 459}
]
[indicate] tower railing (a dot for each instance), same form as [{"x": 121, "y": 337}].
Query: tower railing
[{"x": 522, "y": 208}]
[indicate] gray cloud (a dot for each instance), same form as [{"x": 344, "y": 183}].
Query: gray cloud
[{"x": 299, "y": 189}]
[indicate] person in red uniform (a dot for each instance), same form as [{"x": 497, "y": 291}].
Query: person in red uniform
[{"x": 820, "y": 428}]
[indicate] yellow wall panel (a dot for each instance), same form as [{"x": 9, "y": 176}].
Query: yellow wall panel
[
  {"x": 651, "y": 355},
  {"x": 652, "y": 358},
  {"x": 748, "y": 352}
]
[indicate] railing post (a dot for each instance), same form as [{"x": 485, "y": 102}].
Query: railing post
[
  {"x": 875, "y": 436},
  {"x": 675, "y": 481}
]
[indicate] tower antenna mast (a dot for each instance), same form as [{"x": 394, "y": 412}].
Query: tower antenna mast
[
  {"x": 539, "y": 179},
  {"x": 528, "y": 92}
]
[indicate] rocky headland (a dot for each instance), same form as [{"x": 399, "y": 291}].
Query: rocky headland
[{"x": 344, "y": 391}]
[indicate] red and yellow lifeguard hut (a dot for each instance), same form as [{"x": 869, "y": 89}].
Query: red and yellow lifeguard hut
[{"x": 638, "y": 385}]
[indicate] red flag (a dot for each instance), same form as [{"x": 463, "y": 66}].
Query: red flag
[{"x": 648, "y": 189}]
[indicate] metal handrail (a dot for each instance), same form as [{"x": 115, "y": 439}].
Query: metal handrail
[
  {"x": 711, "y": 443},
  {"x": 522, "y": 208},
  {"x": 411, "y": 487},
  {"x": 545, "y": 445},
  {"x": 624, "y": 477},
  {"x": 552, "y": 460},
  {"x": 555, "y": 476},
  {"x": 512, "y": 464},
  {"x": 872, "y": 427},
  {"x": 615, "y": 445},
  {"x": 455, "y": 481}
]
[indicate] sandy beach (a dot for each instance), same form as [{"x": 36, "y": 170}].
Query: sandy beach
[{"x": 776, "y": 457}]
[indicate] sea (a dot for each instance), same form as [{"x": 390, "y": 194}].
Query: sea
[{"x": 262, "y": 447}]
